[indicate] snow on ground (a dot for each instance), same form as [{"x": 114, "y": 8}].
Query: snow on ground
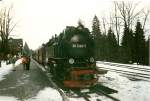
[
  {"x": 133, "y": 65},
  {"x": 5, "y": 69},
  {"x": 127, "y": 90},
  {"x": 47, "y": 94},
  {"x": 76, "y": 99},
  {"x": 122, "y": 68},
  {"x": 7, "y": 98}
]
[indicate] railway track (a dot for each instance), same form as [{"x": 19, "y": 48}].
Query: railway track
[
  {"x": 134, "y": 67},
  {"x": 131, "y": 72},
  {"x": 98, "y": 89}
]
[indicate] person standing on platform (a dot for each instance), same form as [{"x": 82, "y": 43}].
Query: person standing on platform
[
  {"x": 26, "y": 62},
  {"x": 13, "y": 62}
]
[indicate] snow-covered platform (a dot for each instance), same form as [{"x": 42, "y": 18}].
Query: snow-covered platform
[{"x": 23, "y": 85}]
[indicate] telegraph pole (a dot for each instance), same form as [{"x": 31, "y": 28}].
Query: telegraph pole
[
  {"x": 0, "y": 51},
  {"x": 149, "y": 49}
]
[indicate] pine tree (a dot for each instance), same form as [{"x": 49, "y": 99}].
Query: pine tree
[
  {"x": 140, "y": 49},
  {"x": 127, "y": 45},
  {"x": 103, "y": 47},
  {"x": 96, "y": 33},
  {"x": 132, "y": 45},
  {"x": 26, "y": 50},
  {"x": 147, "y": 52},
  {"x": 112, "y": 46}
]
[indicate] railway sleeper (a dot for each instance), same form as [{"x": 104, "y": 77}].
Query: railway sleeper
[
  {"x": 105, "y": 89},
  {"x": 84, "y": 95},
  {"x": 99, "y": 92}
]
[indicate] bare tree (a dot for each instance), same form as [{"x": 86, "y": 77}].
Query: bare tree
[
  {"x": 104, "y": 24},
  {"x": 146, "y": 14},
  {"x": 128, "y": 12},
  {"x": 6, "y": 27},
  {"x": 117, "y": 22}
]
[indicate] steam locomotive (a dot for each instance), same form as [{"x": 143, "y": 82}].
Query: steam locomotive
[{"x": 70, "y": 57}]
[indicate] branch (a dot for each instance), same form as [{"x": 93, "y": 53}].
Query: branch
[
  {"x": 145, "y": 19},
  {"x": 10, "y": 30}
]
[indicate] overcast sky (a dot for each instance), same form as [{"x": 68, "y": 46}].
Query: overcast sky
[{"x": 38, "y": 20}]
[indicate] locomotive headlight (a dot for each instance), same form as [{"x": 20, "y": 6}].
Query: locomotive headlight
[
  {"x": 71, "y": 60},
  {"x": 55, "y": 65},
  {"x": 91, "y": 59}
]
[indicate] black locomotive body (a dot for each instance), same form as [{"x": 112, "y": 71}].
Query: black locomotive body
[{"x": 70, "y": 57}]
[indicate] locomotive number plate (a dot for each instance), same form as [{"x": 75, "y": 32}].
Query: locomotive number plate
[{"x": 79, "y": 45}]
